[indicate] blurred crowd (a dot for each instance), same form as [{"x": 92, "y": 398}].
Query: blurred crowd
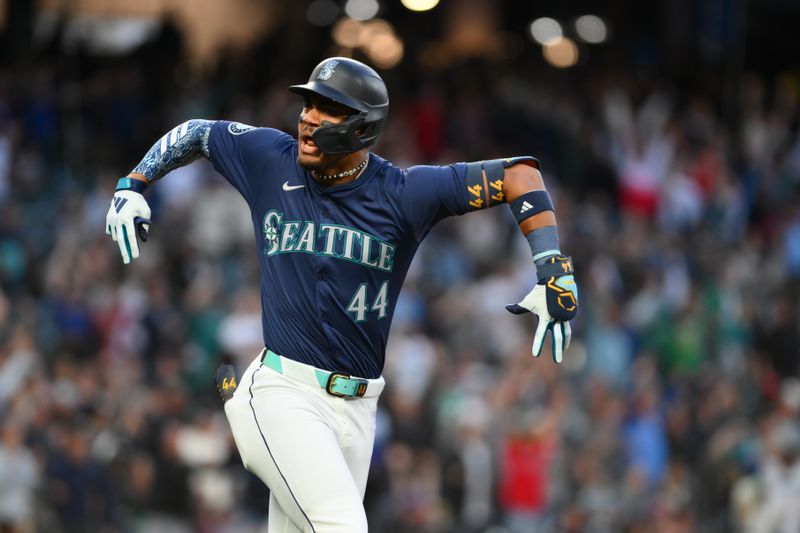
[{"x": 677, "y": 407}]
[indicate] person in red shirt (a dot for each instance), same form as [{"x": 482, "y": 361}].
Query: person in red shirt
[{"x": 526, "y": 462}]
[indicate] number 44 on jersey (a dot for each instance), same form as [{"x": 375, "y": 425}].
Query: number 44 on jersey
[{"x": 358, "y": 303}]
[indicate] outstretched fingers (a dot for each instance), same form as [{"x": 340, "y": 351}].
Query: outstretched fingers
[
  {"x": 123, "y": 242},
  {"x": 538, "y": 337},
  {"x": 130, "y": 234},
  {"x": 558, "y": 341}
]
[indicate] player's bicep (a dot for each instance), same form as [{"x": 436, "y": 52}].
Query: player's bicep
[
  {"x": 431, "y": 193},
  {"x": 241, "y": 153}
]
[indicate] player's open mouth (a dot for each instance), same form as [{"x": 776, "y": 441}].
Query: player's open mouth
[{"x": 307, "y": 145}]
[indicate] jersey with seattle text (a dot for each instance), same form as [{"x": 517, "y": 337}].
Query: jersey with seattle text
[{"x": 333, "y": 259}]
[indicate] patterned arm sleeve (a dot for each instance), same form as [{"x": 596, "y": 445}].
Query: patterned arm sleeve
[{"x": 178, "y": 147}]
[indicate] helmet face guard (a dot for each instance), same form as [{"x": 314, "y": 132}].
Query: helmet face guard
[
  {"x": 357, "y": 86},
  {"x": 342, "y": 138}
]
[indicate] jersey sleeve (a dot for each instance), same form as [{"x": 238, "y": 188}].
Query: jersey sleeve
[
  {"x": 241, "y": 153},
  {"x": 431, "y": 193}
]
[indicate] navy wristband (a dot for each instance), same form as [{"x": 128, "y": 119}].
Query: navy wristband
[
  {"x": 530, "y": 204},
  {"x": 130, "y": 184}
]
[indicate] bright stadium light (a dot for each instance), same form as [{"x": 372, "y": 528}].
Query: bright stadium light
[
  {"x": 347, "y": 32},
  {"x": 361, "y": 9},
  {"x": 591, "y": 29},
  {"x": 420, "y": 5},
  {"x": 374, "y": 29},
  {"x": 544, "y": 30},
  {"x": 385, "y": 50},
  {"x": 322, "y": 12},
  {"x": 561, "y": 53},
  {"x": 379, "y": 40}
]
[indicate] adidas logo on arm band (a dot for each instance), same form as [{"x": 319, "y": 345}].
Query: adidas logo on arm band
[{"x": 530, "y": 204}]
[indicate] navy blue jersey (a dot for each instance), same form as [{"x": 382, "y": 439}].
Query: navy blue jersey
[{"x": 332, "y": 259}]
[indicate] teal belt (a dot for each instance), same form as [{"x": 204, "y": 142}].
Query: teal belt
[{"x": 334, "y": 383}]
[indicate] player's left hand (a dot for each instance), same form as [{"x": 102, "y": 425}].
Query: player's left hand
[{"x": 555, "y": 301}]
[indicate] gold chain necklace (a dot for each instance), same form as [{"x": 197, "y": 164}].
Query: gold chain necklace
[{"x": 331, "y": 177}]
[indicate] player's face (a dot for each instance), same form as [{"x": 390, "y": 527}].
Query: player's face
[{"x": 317, "y": 110}]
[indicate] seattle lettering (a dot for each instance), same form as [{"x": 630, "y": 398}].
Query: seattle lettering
[{"x": 332, "y": 240}]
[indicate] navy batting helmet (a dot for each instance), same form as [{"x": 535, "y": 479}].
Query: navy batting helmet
[{"x": 354, "y": 84}]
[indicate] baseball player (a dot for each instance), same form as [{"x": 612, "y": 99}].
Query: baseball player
[{"x": 336, "y": 228}]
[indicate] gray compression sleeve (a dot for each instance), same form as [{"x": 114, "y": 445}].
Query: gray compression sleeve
[
  {"x": 543, "y": 242},
  {"x": 180, "y": 146}
]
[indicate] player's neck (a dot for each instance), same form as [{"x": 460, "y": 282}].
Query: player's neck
[{"x": 349, "y": 169}]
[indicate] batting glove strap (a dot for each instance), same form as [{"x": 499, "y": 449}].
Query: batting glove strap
[
  {"x": 554, "y": 266},
  {"x": 130, "y": 184}
]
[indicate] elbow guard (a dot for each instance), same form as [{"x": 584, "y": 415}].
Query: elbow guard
[{"x": 484, "y": 180}]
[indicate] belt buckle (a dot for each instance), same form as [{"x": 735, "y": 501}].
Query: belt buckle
[{"x": 332, "y": 381}]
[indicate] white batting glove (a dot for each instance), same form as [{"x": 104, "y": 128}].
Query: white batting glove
[
  {"x": 555, "y": 301},
  {"x": 128, "y": 217}
]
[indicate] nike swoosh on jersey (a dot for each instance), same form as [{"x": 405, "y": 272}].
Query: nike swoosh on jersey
[{"x": 287, "y": 187}]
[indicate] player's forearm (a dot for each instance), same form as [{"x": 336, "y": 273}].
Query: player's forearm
[
  {"x": 178, "y": 147},
  {"x": 520, "y": 182},
  {"x": 521, "y": 179}
]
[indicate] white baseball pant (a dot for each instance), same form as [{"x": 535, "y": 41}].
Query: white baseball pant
[{"x": 311, "y": 449}]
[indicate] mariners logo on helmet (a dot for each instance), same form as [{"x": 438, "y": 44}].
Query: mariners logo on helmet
[{"x": 327, "y": 70}]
